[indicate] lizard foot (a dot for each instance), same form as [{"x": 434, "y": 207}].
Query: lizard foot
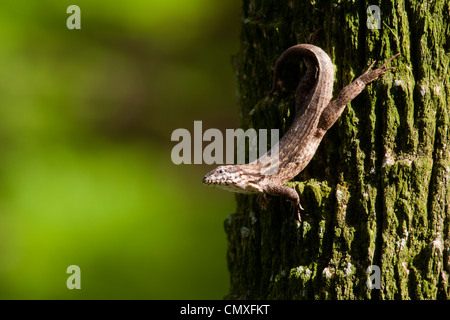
[
  {"x": 371, "y": 75},
  {"x": 262, "y": 200}
]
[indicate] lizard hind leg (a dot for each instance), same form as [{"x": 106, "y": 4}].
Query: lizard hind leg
[
  {"x": 262, "y": 200},
  {"x": 289, "y": 194}
]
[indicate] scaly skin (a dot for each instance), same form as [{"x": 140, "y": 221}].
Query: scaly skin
[{"x": 315, "y": 114}]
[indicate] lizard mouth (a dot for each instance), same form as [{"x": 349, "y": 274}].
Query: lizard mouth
[
  {"x": 208, "y": 181},
  {"x": 211, "y": 178},
  {"x": 212, "y": 181}
]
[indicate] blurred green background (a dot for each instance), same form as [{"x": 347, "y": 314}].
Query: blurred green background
[{"x": 86, "y": 176}]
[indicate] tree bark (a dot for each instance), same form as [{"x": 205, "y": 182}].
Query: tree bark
[{"x": 377, "y": 192}]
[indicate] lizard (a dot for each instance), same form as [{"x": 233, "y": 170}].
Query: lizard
[{"x": 315, "y": 114}]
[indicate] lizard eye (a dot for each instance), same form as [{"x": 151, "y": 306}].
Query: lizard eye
[{"x": 220, "y": 171}]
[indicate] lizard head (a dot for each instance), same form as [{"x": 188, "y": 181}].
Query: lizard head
[
  {"x": 222, "y": 177},
  {"x": 231, "y": 178}
]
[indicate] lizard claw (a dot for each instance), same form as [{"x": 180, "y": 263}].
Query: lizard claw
[
  {"x": 392, "y": 58},
  {"x": 369, "y": 68},
  {"x": 383, "y": 66},
  {"x": 262, "y": 200},
  {"x": 297, "y": 208}
]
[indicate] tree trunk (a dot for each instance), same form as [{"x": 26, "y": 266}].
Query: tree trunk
[{"x": 377, "y": 192}]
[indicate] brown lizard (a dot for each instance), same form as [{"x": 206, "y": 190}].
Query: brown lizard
[{"x": 315, "y": 114}]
